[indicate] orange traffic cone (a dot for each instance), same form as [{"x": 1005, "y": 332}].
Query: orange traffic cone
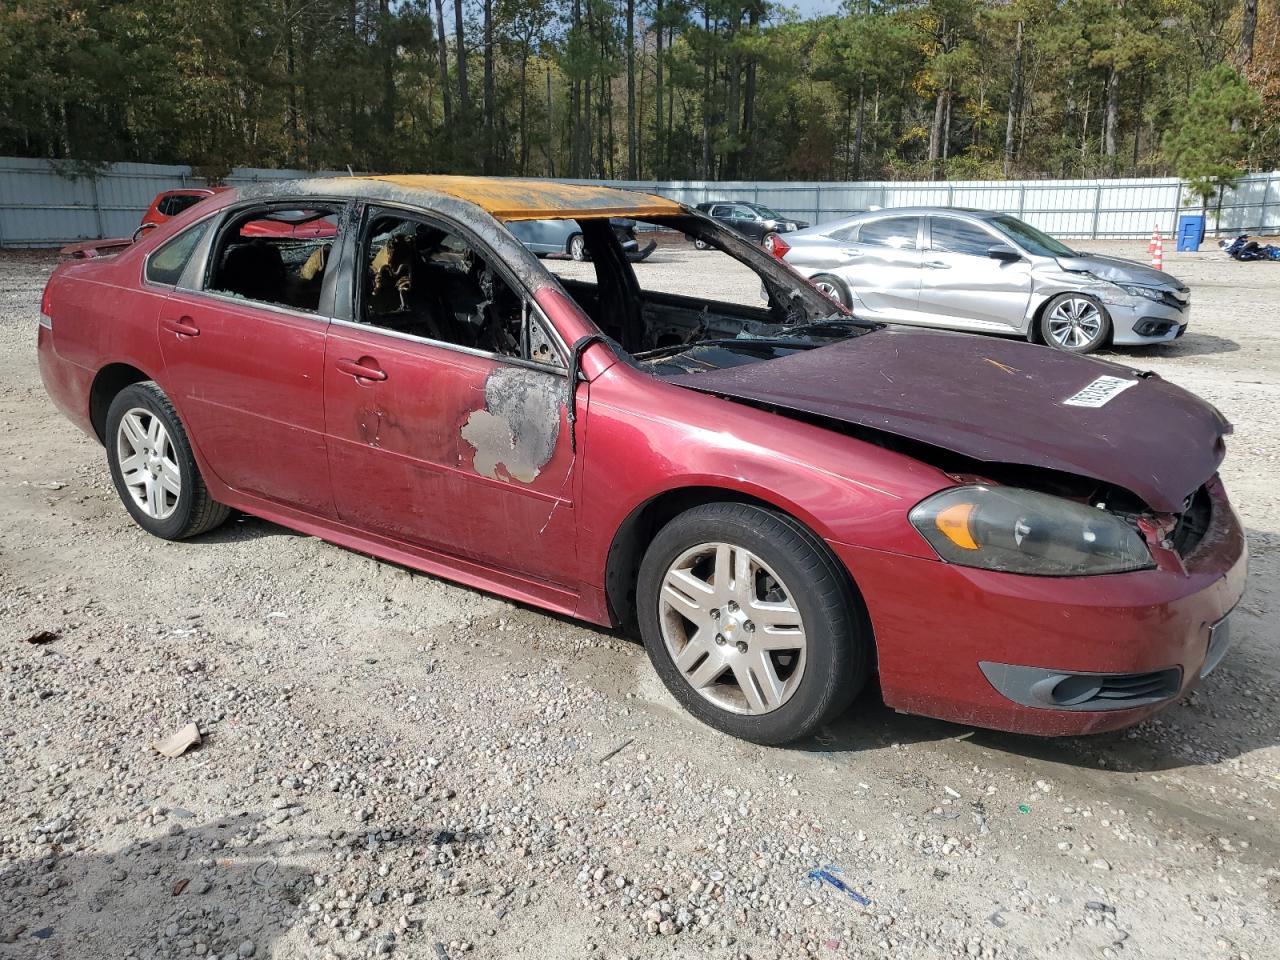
[
  {"x": 1151, "y": 244},
  {"x": 1157, "y": 251}
]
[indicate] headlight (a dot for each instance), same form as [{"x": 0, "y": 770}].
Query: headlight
[
  {"x": 1021, "y": 531},
  {"x": 1151, "y": 293}
]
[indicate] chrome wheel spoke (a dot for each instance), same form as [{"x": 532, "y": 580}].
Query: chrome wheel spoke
[
  {"x": 759, "y": 682},
  {"x": 169, "y": 477}
]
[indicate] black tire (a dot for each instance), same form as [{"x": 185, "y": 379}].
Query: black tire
[
  {"x": 700, "y": 244},
  {"x": 838, "y": 647},
  {"x": 195, "y": 511},
  {"x": 1054, "y": 339},
  {"x": 577, "y": 247},
  {"x": 838, "y": 291}
]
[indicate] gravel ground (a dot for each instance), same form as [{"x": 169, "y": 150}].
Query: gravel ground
[{"x": 395, "y": 765}]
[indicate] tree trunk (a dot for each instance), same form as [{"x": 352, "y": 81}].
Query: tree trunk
[
  {"x": 524, "y": 99},
  {"x": 442, "y": 63},
  {"x": 631, "y": 89},
  {"x": 935, "y": 131},
  {"x": 551, "y": 129},
  {"x": 575, "y": 102},
  {"x": 1015, "y": 101},
  {"x": 1111, "y": 115},
  {"x": 706, "y": 93},
  {"x": 388, "y": 74},
  {"x": 946, "y": 126},
  {"x": 733, "y": 109},
  {"x": 1248, "y": 24},
  {"x": 290, "y": 73},
  {"x": 749, "y": 94},
  {"x": 488, "y": 86},
  {"x": 460, "y": 51},
  {"x": 659, "y": 164}
]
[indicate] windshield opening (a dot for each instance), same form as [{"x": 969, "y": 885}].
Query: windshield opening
[
  {"x": 1030, "y": 239},
  {"x": 683, "y": 294}
]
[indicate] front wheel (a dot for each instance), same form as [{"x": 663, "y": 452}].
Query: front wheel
[
  {"x": 1075, "y": 322},
  {"x": 578, "y": 247},
  {"x": 751, "y": 623},
  {"x": 152, "y": 466}
]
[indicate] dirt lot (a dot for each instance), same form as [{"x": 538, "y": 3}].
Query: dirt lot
[{"x": 395, "y": 765}]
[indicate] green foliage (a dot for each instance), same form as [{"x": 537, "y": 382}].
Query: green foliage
[
  {"x": 888, "y": 88},
  {"x": 1212, "y": 132}
]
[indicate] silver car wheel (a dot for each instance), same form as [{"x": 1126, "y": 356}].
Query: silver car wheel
[
  {"x": 148, "y": 463},
  {"x": 578, "y": 247},
  {"x": 1074, "y": 322},
  {"x": 732, "y": 628},
  {"x": 828, "y": 288}
]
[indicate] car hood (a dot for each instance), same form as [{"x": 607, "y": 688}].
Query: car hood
[
  {"x": 1119, "y": 270},
  {"x": 996, "y": 401}
]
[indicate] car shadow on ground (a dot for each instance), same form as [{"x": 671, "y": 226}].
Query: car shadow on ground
[
  {"x": 222, "y": 884},
  {"x": 1219, "y": 720},
  {"x": 1190, "y": 344}
]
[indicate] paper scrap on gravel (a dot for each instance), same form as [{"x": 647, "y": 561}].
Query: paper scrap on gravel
[{"x": 176, "y": 744}]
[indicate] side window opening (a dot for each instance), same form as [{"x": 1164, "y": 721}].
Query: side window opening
[
  {"x": 166, "y": 264},
  {"x": 276, "y": 256},
  {"x": 896, "y": 232},
  {"x": 426, "y": 281},
  {"x": 949, "y": 235}
]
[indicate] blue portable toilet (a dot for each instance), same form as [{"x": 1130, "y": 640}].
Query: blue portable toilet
[{"x": 1190, "y": 231}]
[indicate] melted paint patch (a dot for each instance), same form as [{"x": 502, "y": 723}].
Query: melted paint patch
[{"x": 515, "y": 435}]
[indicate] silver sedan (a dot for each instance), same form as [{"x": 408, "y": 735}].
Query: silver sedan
[{"x": 986, "y": 272}]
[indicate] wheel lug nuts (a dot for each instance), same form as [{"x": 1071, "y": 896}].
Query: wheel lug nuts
[
  {"x": 748, "y": 626},
  {"x": 715, "y": 613},
  {"x": 742, "y": 646},
  {"x": 733, "y": 607},
  {"x": 720, "y": 639}
]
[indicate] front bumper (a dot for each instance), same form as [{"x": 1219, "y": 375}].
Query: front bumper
[
  {"x": 1146, "y": 322},
  {"x": 1149, "y": 622}
]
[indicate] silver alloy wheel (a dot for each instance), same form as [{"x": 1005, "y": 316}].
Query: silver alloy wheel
[
  {"x": 1075, "y": 322},
  {"x": 732, "y": 628},
  {"x": 829, "y": 288},
  {"x": 148, "y": 464},
  {"x": 578, "y": 247}
]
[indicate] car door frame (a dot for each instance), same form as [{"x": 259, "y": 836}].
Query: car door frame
[
  {"x": 193, "y": 285},
  {"x": 1015, "y": 318},
  {"x": 904, "y": 309},
  {"x": 560, "y": 515}
]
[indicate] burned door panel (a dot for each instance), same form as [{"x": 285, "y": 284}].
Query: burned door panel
[{"x": 456, "y": 452}]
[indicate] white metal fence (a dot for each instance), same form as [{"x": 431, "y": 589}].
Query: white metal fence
[{"x": 45, "y": 204}]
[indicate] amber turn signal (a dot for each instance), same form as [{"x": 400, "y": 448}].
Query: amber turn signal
[{"x": 953, "y": 523}]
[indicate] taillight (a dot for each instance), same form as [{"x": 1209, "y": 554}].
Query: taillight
[
  {"x": 776, "y": 245},
  {"x": 46, "y": 308}
]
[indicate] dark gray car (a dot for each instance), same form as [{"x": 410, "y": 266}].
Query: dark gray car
[
  {"x": 986, "y": 272},
  {"x": 754, "y": 221}
]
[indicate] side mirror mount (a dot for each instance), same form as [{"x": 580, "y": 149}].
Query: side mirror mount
[{"x": 1003, "y": 252}]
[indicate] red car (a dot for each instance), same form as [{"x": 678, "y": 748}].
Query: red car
[{"x": 785, "y": 499}]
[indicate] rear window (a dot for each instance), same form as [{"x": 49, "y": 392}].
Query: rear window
[
  {"x": 897, "y": 232},
  {"x": 166, "y": 264}
]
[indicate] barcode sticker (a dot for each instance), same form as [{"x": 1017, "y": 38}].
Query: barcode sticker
[{"x": 1099, "y": 392}]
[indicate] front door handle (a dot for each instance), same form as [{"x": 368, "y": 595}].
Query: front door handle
[
  {"x": 937, "y": 265},
  {"x": 183, "y": 327},
  {"x": 366, "y": 368}
]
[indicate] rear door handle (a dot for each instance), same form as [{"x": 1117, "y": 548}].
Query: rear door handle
[
  {"x": 937, "y": 265},
  {"x": 183, "y": 327},
  {"x": 366, "y": 368}
]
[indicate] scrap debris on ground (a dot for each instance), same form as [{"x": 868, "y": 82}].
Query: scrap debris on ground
[{"x": 396, "y": 766}]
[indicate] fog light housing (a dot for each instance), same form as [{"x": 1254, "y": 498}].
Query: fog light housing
[{"x": 1152, "y": 328}]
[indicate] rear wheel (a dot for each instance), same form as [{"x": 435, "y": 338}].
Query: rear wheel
[
  {"x": 833, "y": 287},
  {"x": 152, "y": 466},
  {"x": 751, "y": 623},
  {"x": 700, "y": 244},
  {"x": 1075, "y": 322},
  {"x": 578, "y": 247}
]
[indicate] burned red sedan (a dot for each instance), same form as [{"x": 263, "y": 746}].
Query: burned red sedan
[{"x": 783, "y": 498}]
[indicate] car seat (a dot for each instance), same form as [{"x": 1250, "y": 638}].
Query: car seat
[{"x": 255, "y": 271}]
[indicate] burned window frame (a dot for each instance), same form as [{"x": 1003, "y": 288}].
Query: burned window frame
[{"x": 356, "y": 282}]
